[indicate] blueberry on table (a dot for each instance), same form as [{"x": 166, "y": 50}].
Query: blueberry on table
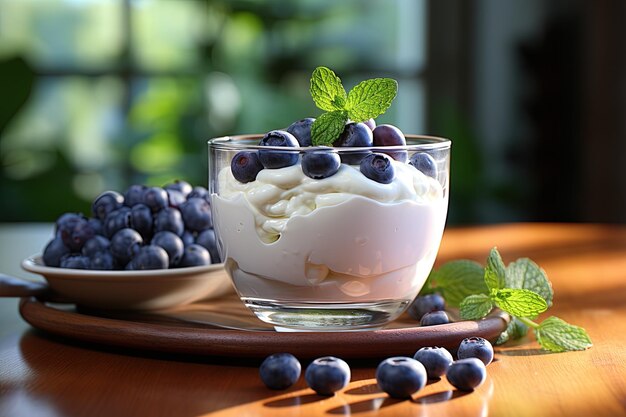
[
  {"x": 96, "y": 244},
  {"x": 401, "y": 377},
  {"x": 172, "y": 244},
  {"x": 245, "y": 166},
  {"x": 74, "y": 261},
  {"x": 156, "y": 198},
  {"x": 425, "y": 304},
  {"x": 320, "y": 162},
  {"x": 170, "y": 219},
  {"x": 466, "y": 374},
  {"x": 476, "y": 347},
  {"x": 106, "y": 203},
  {"x": 181, "y": 186},
  {"x": 206, "y": 239},
  {"x": 125, "y": 244},
  {"x": 141, "y": 220},
  {"x": 273, "y": 159},
  {"x": 149, "y": 257},
  {"x": 280, "y": 371},
  {"x": 301, "y": 130},
  {"x": 115, "y": 221},
  {"x": 354, "y": 135},
  {"x": 134, "y": 195},
  {"x": 435, "y": 359},
  {"x": 389, "y": 135},
  {"x": 195, "y": 255},
  {"x": 378, "y": 167},
  {"x": 425, "y": 163},
  {"x": 327, "y": 375},
  {"x": 434, "y": 318},
  {"x": 54, "y": 251},
  {"x": 196, "y": 214}
]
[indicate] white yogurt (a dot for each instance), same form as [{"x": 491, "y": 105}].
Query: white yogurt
[{"x": 344, "y": 238}]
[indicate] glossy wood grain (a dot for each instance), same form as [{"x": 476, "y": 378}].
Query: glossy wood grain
[{"x": 49, "y": 376}]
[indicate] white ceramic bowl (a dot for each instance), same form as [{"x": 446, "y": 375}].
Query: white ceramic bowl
[{"x": 133, "y": 290}]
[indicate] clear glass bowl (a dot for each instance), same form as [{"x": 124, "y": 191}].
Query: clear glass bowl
[{"x": 333, "y": 254}]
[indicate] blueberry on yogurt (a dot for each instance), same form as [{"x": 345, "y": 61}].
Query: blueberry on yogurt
[
  {"x": 400, "y": 377},
  {"x": 320, "y": 162},
  {"x": 389, "y": 135},
  {"x": 274, "y": 159},
  {"x": 425, "y": 163},
  {"x": 245, "y": 166},
  {"x": 378, "y": 167},
  {"x": 354, "y": 135},
  {"x": 301, "y": 130}
]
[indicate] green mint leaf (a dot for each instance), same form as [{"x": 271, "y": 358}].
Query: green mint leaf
[
  {"x": 556, "y": 335},
  {"x": 519, "y": 302},
  {"x": 371, "y": 98},
  {"x": 456, "y": 280},
  {"x": 495, "y": 272},
  {"x": 514, "y": 330},
  {"x": 327, "y": 91},
  {"x": 475, "y": 307},
  {"x": 327, "y": 128},
  {"x": 526, "y": 274}
]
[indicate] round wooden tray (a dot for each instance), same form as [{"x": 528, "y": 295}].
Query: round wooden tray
[{"x": 224, "y": 327}]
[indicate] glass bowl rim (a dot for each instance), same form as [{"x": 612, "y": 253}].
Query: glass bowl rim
[{"x": 245, "y": 142}]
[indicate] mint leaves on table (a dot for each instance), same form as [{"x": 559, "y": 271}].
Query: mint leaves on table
[
  {"x": 521, "y": 289},
  {"x": 367, "y": 100}
]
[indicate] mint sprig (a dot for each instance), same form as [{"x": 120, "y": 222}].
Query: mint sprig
[
  {"x": 367, "y": 100},
  {"x": 521, "y": 289}
]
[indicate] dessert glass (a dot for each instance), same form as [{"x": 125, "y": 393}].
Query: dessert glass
[{"x": 333, "y": 254}]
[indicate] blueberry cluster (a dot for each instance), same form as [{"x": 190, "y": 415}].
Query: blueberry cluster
[
  {"x": 320, "y": 162},
  {"x": 398, "y": 376},
  {"x": 144, "y": 228}
]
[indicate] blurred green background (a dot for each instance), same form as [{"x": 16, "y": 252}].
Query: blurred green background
[{"x": 101, "y": 94}]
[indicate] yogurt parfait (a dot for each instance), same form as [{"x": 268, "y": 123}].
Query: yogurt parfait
[{"x": 329, "y": 237}]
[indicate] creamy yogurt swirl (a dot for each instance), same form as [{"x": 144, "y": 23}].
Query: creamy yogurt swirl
[{"x": 279, "y": 194}]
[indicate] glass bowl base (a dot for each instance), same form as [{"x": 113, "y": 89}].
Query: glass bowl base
[{"x": 317, "y": 317}]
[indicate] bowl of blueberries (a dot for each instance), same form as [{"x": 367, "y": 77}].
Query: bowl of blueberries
[{"x": 147, "y": 248}]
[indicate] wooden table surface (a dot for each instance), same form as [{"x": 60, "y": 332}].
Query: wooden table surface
[{"x": 46, "y": 376}]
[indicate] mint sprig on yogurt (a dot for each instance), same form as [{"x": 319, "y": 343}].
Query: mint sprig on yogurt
[
  {"x": 367, "y": 100},
  {"x": 521, "y": 289}
]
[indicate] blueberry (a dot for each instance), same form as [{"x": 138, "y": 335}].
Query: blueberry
[
  {"x": 96, "y": 244},
  {"x": 102, "y": 261},
  {"x": 425, "y": 304},
  {"x": 196, "y": 214},
  {"x": 134, "y": 195},
  {"x": 141, "y": 220},
  {"x": 169, "y": 219},
  {"x": 75, "y": 231},
  {"x": 181, "y": 186},
  {"x": 67, "y": 221},
  {"x": 436, "y": 360},
  {"x": 172, "y": 244},
  {"x": 156, "y": 198},
  {"x": 327, "y": 375},
  {"x": 195, "y": 255},
  {"x": 96, "y": 225},
  {"x": 401, "y": 377},
  {"x": 434, "y": 318},
  {"x": 371, "y": 123},
  {"x": 175, "y": 198},
  {"x": 54, "y": 251},
  {"x": 301, "y": 130},
  {"x": 353, "y": 135},
  {"x": 106, "y": 203},
  {"x": 388, "y": 135},
  {"x": 424, "y": 163},
  {"x": 206, "y": 238},
  {"x": 278, "y": 158},
  {"x": 74, "y": 261},
  {"x": 188, "y": 238},
  {"x": 280, "y": 371},
  {"x": 201, "y": 192},
  {"x": 115, "y": 221},
  {"x": 124, "y": 245},
  {"x": 476, "y": 347},
  {"x": 149, "y": 257},
  {"x": 245, "y": 166},
  {"x": 466, "y": 374},
  {"x": 378, "y": 167},
  {"x": 321, "y": 162}
]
